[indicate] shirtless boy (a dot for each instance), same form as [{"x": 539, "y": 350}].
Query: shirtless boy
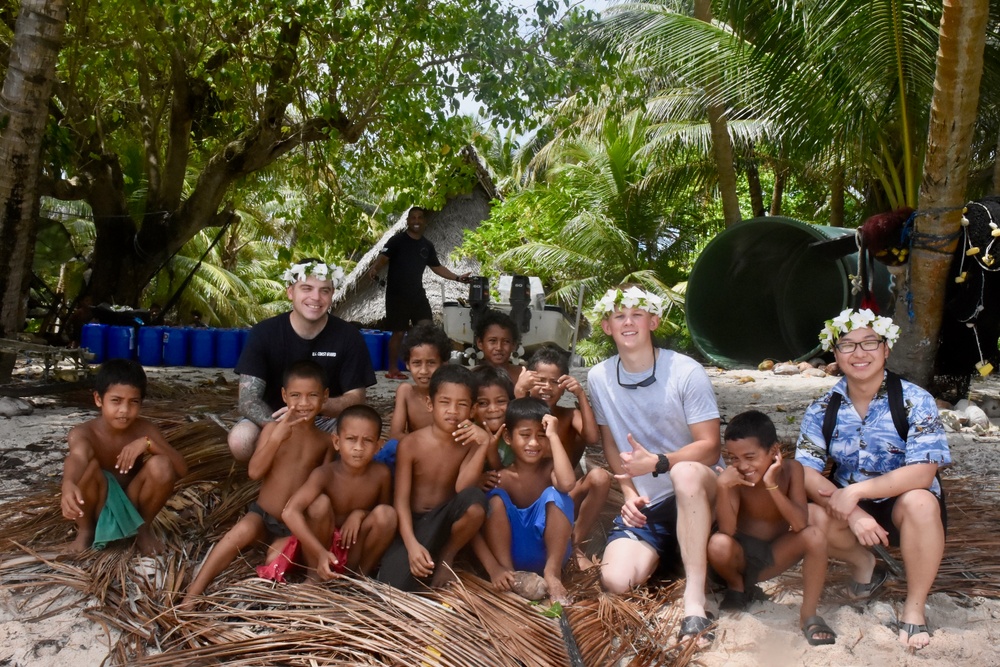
[
  {"x": 120, "y": 471},
  {"x": 496, "y": 337},
  {"x": 425, "y": 348},
  {"x": 762, "y": 514},
  {"x": 438, "y": 513},
  {"x": 530, "y": 519},
  {"x": 547, "y": 377},
  {"x": 349, "y": 498},
  {"x": 289, "y": 449}
]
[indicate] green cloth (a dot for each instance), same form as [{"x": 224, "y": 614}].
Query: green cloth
[
  {"x": 506, "y": 453},
  {"x": 119, "y": 518}
]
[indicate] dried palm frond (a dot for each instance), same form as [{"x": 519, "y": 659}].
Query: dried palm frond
[{"x": 247, "y": 621}]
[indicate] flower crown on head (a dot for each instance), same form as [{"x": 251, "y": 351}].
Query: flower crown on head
[
  {"x": 850, "y": 319},
  {"x": 632, "y": 297},
  {"x": 298, "y": 272}
]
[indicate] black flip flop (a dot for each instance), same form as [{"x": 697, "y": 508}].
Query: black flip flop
[
  {"x": 856, "y": 591},
  {"x": 694, "y": 626},
  {"x": 815, "y": 625}
]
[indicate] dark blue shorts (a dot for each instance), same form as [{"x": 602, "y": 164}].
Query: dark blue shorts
[{"x": 660, "y": 531}]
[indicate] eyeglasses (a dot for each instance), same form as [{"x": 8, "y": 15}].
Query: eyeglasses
[
  {"x": 645, "y": 382},
  {"x": 867, "y": 345}
]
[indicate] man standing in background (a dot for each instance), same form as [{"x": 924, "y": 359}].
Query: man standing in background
[{"x": 408, "y": 253}]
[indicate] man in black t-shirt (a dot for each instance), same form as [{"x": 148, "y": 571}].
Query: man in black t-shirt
[
  {"x": 307, "y": 332},
  {"x": 407, "y": 254}
]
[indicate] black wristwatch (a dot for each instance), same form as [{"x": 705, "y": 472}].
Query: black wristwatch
[{"x": 662, "y": 465}]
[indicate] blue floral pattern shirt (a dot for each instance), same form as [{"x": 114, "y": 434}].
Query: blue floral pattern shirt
[{"x": 866, "y": 448}]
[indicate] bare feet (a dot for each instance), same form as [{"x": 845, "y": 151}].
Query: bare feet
[
  {"x": 79, "y": 545},
  {"x": 558, "y": 592},
  {"x": 443, "y": 575},
  {"x": 148, "y": 543}
]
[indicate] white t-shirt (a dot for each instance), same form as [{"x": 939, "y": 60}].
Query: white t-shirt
[{"x": 657, "y": 416}]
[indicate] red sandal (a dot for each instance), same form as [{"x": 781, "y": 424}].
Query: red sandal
[{"x": 396, "y": 375}]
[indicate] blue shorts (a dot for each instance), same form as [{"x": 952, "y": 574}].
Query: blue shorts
[
  {"x": 660, "y": 531},
  {"x": 527, "y": 527}
]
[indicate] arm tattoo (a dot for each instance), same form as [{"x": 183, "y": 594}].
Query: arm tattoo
[{"x": 251, "y": 400}]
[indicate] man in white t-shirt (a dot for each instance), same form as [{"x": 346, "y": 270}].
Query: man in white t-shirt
[{"x": 659, "y": 424}]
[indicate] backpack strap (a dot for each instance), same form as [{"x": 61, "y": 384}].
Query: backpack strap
[
  {"x": 894, "y": 391},
  {"x": 830, "y": 417}
]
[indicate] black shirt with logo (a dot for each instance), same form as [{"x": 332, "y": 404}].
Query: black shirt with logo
[{"x": 273, "y": 346}]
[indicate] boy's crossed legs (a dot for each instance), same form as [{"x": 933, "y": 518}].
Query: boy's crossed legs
[{"x": 148, "y": 492}]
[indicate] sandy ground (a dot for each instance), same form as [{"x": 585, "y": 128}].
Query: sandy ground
[{"x": 966, "y": 630}]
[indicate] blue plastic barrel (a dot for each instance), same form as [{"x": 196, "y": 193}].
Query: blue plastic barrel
[
  {"x": 151, "y": 346},
  {"x": 93, "y": 339},
  {"x": 175, "y": 346},
  {"x": 228, "y": 344},
  {"x": 203, "y": 347},
  {"x": 376, "y": 348},
  {"x": 120, "y": 342}
]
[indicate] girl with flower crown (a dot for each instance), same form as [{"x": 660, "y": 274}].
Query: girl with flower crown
[{"x": 883, "y": 489}]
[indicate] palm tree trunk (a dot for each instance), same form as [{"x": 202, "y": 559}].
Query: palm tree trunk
[
  {"x": 943, "y": 190},
  {"x": 837, "y": 196},
  {"x": 722, "y": 143},
  {"x": 753, "y": 183},
  {"x": 23, "y": 112},
  {"x": 779, "y": 190}
]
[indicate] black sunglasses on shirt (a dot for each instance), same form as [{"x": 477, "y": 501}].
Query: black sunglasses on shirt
[{"x": 645, "y": 382}]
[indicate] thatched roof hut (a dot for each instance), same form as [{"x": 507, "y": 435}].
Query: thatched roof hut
[{"x": 361, "y": 300}]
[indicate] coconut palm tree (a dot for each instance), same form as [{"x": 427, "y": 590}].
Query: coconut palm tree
[
  {"x": 840, "y": 83},
  {"x": 943, "y": 191}
]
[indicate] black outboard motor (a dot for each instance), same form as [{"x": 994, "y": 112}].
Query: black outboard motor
[
  {"x": 479, "y": 298},
  {"x": 520, "y": 302}
]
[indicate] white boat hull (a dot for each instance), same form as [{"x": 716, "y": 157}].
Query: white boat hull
[{"x": 548, "y": 327}]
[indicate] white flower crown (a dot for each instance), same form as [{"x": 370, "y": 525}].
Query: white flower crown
[
  {"x": 850, "y": 319},
  {"x": 633, "y": 297},
  {"x": 297, "y": 272}
]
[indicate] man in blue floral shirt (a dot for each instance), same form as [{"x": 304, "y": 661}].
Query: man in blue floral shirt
[{"x": 884, "y": 489}]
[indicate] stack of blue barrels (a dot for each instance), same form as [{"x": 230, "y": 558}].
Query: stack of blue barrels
[
  {"x": 165, "y": 346},
  {"x": 378, "y": 349}
]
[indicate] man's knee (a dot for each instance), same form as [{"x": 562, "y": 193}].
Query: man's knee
[
  {"x": 691, "y": 479},
  {"x": 917, "y": 508},
  {"x": 242, "y": 440}
]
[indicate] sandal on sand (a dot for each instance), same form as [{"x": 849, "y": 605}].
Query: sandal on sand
[
  {"x": 856, "y": 591},
  {"x": 693, "y": 626},
  {"x": 913, "y": 629},
  {"x": 815, "y": 625},
  {"x": 733, "y": 601},
  {"x": 396, "y": 375}
]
